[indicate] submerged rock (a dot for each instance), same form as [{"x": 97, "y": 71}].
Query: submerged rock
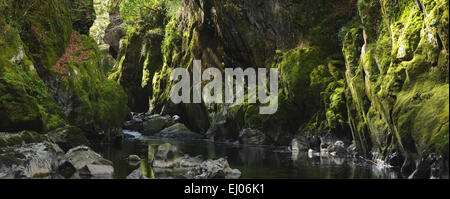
[{"x": 167, "y": 152}]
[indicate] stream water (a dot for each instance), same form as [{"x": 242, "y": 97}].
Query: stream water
[{"x": 255, "y": 162}]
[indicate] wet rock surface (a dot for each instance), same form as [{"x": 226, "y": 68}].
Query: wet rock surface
[
  {"x": 156, "y": 123},
  {"x": 83, "y": 161},
  {"x": 167, "y": 160},
  {"x": 213, "y": 169},
  {"x": 163, "y": 126},
  {"x": 35, "y": 160},
  {"x": 178, "y": 131}
]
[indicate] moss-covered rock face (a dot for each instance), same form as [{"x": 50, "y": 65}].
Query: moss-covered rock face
[
  {"x": 50, "y": 76},
  {"x": 226, "y": 34},
  {"x": 140, "y": 54},
  {"x": 25, "y": 103},
  {"x": 23, "y": 137},
  {"x": 397, "y": 80},
  {"x": 90, "y": 100}
]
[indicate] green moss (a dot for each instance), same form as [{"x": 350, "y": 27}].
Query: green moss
[
  {"x": 101, "y": 103},
  {"x": 24, "y": 137},
  {"x": 399, "y": 93},
  {"x": 45, "y": 29},
  {"x": 111, "y": 109},
  {"x": 67, "y": 137}
]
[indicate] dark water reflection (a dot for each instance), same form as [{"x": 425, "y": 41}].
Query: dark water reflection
[{"x": 253, "y": 162}]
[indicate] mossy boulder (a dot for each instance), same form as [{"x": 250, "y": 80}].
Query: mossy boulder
[
  {"x": 25, "y": 102},
  {"x": 67, "y": 137},
  {"x": 20, "y": 138},
  {"x": 50, "y": 75}
]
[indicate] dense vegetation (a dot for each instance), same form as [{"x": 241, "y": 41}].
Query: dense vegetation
[{"x": 373, "y": 73}]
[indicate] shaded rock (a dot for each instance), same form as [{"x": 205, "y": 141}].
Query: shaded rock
[
  {"x": 178, "y": 131},
  {"x": 83, "y": 15},
  {"x": 395, "y": 159},
  {"x": 222, "y": 125},
  {"x": 252, "y": 137},
  {"x": 67, "y": 170},
  {"x": 314, "y": 142},
  {"x": 299, "y": 144},
  {"x": 67, "y": 137},
  {"x": 424, "y": 169},
  {"x": 188, "y": 161},
  {"x": 81, "y": 156},
  {"x": 36, "y": 160},
  {"x": 19, "y": 110},
  {"x": 337, "y": 149},
  {"x": 136, "y": 174},
  {"x": 97, "y": 171},
  {"x": 133, "y": 125},
  {"x": 134, "y": 158},
  {"x": 156, "y": 123},
  {"x": 18, "y": 139},
  {"x": 352, "y": 150},
  {"x": 114, "y": 32},
  {"x": 166, "y": 156},
  {"x": 167, "y": 152}
]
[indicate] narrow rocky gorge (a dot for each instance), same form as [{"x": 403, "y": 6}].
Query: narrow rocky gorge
[{"x": 364, "y": 79}]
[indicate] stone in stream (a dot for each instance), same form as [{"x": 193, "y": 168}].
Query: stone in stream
[
  {"x": 252, "y": 137},
  {"x": 97, "y": 171},
  {"x": 169, "y": 160},
  {"x": 67, "y": 137},
  {"x": 78, "y": 158},
  {"x": 337, "y": 149},
  {"x": 156, "y": 123},
  {"x": 136, "y": 174},
  {"x": 213, "y": 169},
  {"x": 166, "y": 156},
  {"x": 133, "y": 158},
  {"x": 299, "y": 144},
  {"x": 178, "y": 131}
]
